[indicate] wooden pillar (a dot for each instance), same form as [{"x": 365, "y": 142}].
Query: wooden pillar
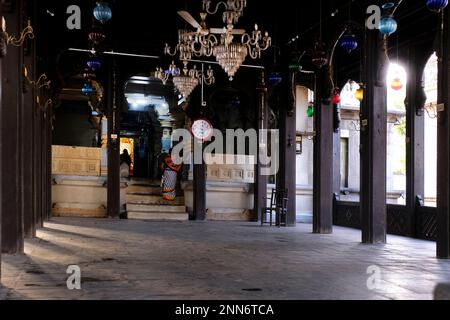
[
  {"x": 37, "y": 161},
  {"x": 337, "y": 162},
  {"x": 443, "y": 140},
  {"x": 1, "y": 161},
  {"x": 415, "y": 133},
  {"x": 288, "y": 158},
  {"x": 373, "y": 142},
  {"x": 45, "y": 172},
  {"x": 199, "y": 184},
  {"x": 48, "y": 158},
  {"x": 113, "y": 144},
  {"x": 10, "y": 114},
  {"x": 323, "y": 157},
  {"x": 28, "y": 110},
  {"x": 260, "y": 192}
]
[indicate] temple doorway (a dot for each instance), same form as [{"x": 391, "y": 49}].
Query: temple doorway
[{"x": 146, "y": 124}]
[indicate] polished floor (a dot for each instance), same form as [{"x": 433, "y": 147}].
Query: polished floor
[{"x": 213, "y": 260}]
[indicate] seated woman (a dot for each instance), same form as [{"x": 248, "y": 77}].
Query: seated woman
[{"x": 170, "y": 176}]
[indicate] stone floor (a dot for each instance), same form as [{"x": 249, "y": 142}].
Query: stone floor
[{"x": 193, "y": 260}]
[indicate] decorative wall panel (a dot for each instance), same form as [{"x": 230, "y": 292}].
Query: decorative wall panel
[{"x": 76, "y": 161}]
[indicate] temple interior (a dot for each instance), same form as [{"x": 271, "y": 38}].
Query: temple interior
[{"x": 231, "y": 150}]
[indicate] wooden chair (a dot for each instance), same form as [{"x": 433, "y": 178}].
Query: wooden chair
[
  {"x": 277, "y": 208},
  {"x": 282, "y": 211}
]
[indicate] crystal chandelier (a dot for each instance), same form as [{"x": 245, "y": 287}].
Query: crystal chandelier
[
  {"x": 186, "y": 81},
  {"x": 219, "y": 42}
]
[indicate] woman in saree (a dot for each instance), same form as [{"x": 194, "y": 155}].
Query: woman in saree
[{"x": 170, "y": 176}]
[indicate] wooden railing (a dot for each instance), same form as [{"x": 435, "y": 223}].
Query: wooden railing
[{"x": 420, "y": 223}]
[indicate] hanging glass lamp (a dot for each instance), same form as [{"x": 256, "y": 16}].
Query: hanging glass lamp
[
  {"x": 396, "y": 84},
  {"x": 359, "y": 94},
  {"x": 274, "y": 78},
  {"x": 87, "y": 89},
  {"x": 437, "y": 5},
  {"x": 102, "y": 12},
  {"x": 349, "y": 43},
  {"x": 94, "y": 63},
  {"x": 320, "y": 58},
  {"x": 388, "y": 25},
  {"x": 336, "y": 96},
  {"x": 310, "y": 111}
]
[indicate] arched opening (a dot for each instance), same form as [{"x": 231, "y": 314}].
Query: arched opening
[{"x": 430, "y": 160}]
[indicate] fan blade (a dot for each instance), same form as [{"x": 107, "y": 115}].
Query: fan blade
[
  {"x": 238, "y": 31},
  {"x": 189, "y": 19},
  {"x": 225, "y": 30},
  {"x": 218, "y": 30}
]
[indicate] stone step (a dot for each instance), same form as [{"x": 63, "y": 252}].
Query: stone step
[
  {"x": 153, "y": 200},
  {"x": 155, "y": 208},
  {"x": 157, "y": 216},
  {"x": 143, "y": 182},
  {"x": 147, "y": 190}
]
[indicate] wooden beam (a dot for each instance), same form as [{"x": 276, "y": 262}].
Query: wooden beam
[
  {"x": 443, "y": 141},
  {"x": 374, "y": 142},
  {"x": 323, "y": 157},
  {"x": 10, "y": 114},
  {"x": 260, "y": 192}
]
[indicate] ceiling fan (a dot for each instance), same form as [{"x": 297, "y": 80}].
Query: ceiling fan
[{"x": 202, "y": 28}]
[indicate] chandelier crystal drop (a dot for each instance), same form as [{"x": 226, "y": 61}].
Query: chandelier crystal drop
[
  {"x": 185, "y": 84},
  {"x": 230, "y": 57}
]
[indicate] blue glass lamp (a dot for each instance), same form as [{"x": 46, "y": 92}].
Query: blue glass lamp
[
  {"x": 87, "y": 89},
  {"x": 275, "y": 78},
  {"x": 102, "y": 12},
  {"x": 437, "y": 5},
  {"x": 388, "y": 25},
  {"x": 94, "y": 63},
  {"x": 349, "y": 43}
]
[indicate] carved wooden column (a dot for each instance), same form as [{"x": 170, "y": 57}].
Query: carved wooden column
[
  {"x": 260, "y": 192},
  {"x": 288, "y": 133},
  {"x": 415, "y": 133},
  {"x": 199, "y": 182},
  {"x": 27, "y": 150},
  {"x": 12, "y": 219},
  {"x": 48, "y": 163},
  {"x": 113, "y": 144},
  {"x": 443, "y": 140},
  {"x": 37, "y": 165},
  {"x": 373, "y": 142},
  {"x": 2, "y": 45},
  {"x": 323, "y": 156},
  {"x": 43, "y": 154}
]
